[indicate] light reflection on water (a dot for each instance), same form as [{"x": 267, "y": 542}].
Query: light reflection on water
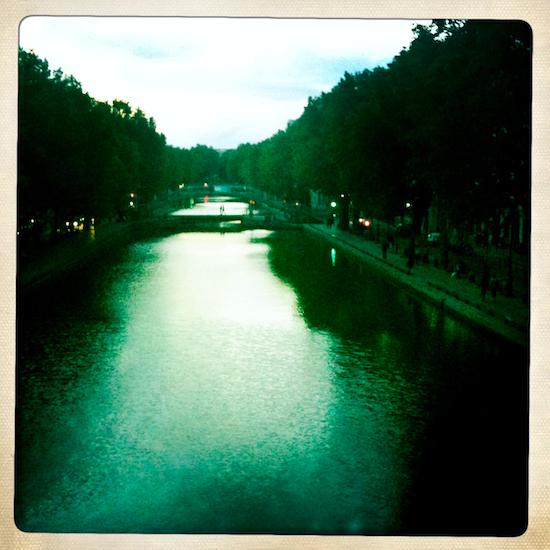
[
  {"x": 213, "y": 207},
  {"x": 188, "y": 389}
]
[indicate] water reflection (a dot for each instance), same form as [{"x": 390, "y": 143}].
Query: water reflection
[
  {"x": 458, "y": 397},
  {"x": 182, "y": 387}
]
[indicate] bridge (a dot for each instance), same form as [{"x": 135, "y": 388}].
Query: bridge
[
  {"x": 221, "y": 208},
  {"x": 227, "y": 207},
  {"x": 228, "y": 222},
  {"x": 222, "y": 213}
]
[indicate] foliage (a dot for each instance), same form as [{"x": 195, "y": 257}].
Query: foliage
[
  {"x": 78, "y": 157},
  {"x": 445, "y": 124}
]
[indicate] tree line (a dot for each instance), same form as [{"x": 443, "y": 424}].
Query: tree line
[
  {"x": 444, "y": 131},
  {"x": 444, "y": 128},
  {"x": 83, "y": 158}
]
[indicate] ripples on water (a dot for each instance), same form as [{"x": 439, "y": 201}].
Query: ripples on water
[{"x": 244, "y": 383}]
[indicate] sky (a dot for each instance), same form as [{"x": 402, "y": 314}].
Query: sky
[{"x": 213, "y": 81}]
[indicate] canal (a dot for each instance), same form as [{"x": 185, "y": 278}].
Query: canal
[{"x": 260, "y": 382}]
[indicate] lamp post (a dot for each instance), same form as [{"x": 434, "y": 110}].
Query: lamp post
[
  {"x": 343, "y": 223},
  {"x": 411, "y": 253}
]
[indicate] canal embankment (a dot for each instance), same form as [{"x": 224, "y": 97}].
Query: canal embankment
[
  {"x": 76, "y": 250},
  {"x": 500, "y": 315},
  {"x": 506, "y": 317},
  {"x": 51, "y": 260}
]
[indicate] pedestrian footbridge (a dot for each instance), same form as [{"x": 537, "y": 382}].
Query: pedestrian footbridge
[{"x": 224, "y": 222}]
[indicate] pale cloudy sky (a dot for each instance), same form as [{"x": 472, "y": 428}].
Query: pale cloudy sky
[{"x": 214, "y": 81}]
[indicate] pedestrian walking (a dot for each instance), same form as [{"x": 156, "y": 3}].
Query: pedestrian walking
[
  {"x": 384, "y": 248},
  {"x": 391, "y": 240},
  {"x": 493, "y": 287},
  {"x": 410, "y": 260},
  {"x": 484, "y": 283}
]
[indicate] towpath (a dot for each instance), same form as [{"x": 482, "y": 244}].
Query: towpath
[{"x": 508, "y": 317}]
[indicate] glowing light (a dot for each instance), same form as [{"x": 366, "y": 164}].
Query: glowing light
[
  {"x": 67, "y": 224},
  {"x": 342, "y": 195},
  {"x": 132, "y": 203},
  {"x": 132, "y": 195},
  {"x": 75, "y": 224},
  {"x": 333, "y": 204},
  {"x": 205, "y": 184},
  {"x": 333, "y": 256},
  {"x": 408, "y": 204},
  {"x": 367, "y": 223},
  {"x": 32, "y": 220}
]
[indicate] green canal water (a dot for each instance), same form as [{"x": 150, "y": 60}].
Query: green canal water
[{"x": 260, "y": 382}]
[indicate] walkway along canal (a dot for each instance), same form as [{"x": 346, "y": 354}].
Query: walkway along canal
[
  {"x": 505, "y": 317},
  {"x": 260, "y": 382}
]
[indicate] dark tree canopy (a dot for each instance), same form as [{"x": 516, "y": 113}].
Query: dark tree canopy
[
  {"x": 82, "y": 157},
  {"x": 445, "y": 126}
]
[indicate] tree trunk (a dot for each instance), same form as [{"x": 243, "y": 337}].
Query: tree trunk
[
  {"x": 510, "y": 274},
  {"x": 445, "y": 242}
]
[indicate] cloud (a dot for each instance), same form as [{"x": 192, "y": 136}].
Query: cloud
[
  {"x": 218, "y": 81},
  {"x": 152, "y": 52}
]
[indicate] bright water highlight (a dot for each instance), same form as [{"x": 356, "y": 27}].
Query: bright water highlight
[{"x": 257, "y": 382}]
